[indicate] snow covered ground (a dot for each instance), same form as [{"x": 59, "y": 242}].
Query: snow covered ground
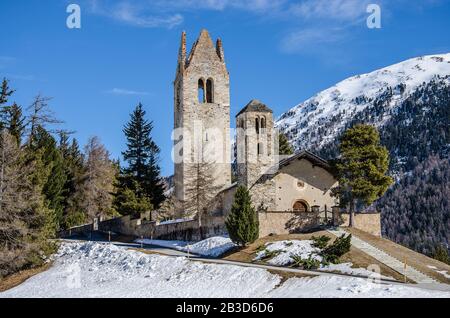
[
  {"x": 103, "y": 270},
  {"x": 284, "y": 250},
  {"x": 211, "y": 247}
]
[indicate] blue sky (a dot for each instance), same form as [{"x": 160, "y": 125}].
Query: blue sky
[{"x": 281, "y": 52}]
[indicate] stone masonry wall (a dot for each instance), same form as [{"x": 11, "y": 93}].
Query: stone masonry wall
[{"x": 367, "y": 222}]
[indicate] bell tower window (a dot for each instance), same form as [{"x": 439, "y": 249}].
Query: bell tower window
[
  {"x": 210, "y": 91},
  {"x": 201, "y": 91}
]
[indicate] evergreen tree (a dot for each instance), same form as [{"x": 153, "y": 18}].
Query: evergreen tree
[
  {"x": 142, "y": 158},
  {"x": 15, "y": 122},
  {"x": 285, "y": 147},
  {"x": 73, "y": 169},
  {"x": 441, "y": 254},
  {"x": 362, "y": 168},
  {"x": 242, "y": 223},
  {"x": 5, "y": 93},
  {"x": 44, "y": 145},
  {"x": 26, "y": 223}
]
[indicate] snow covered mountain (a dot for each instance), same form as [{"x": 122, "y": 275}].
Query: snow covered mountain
[{"x": 319, "y": 120}]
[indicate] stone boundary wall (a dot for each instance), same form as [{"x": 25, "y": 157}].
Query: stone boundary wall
[
  {"x": 281, "y": 223},
  {"x": 367, "y": 222},
  {"x": 141, "y": 227}
]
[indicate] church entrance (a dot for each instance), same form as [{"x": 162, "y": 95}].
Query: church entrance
[{"x": 300, "y": 206}]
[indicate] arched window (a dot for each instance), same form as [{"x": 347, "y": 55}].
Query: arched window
[
  {"x": 263, "y": 124},
  {"x": 201, "y": 91},
  {"x": 257, "y": 125},
  {"x": 210, "y": 91},
  {"x": 300, "y": 206}
]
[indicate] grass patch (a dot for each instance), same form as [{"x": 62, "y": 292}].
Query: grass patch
[{"x": 18, "y": 278}]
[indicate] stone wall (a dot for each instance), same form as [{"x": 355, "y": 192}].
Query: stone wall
[
  {"x": 281, "y": 223},
  {"x": 183, "y": 230},
  {"x": 367, "y": 222}
]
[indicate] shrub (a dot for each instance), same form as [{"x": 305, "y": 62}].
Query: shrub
[
  {"x": 340, "y": 246},
  {"x": 320, "y": 242},
  {"x": 270, "y": 254},
  {"x": 441, "y": 254},
  {"x": 310, "y": 263},
  {"x": 242, "y": 223}
]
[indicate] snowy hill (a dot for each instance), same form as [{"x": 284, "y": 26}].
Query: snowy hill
[
  {"x": 319, "y": 120},
  {"x": 410, "y": 104},
  {"x": 84, "y": 270}
]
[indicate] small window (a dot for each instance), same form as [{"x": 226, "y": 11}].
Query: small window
[
  {"x": 201, "y": 91},
  {"x": 210, "y": 91},
  {"x": 260, "y": 148},
  {"x": 263, "y": 123},
  {"x": 257, "y": 125}
]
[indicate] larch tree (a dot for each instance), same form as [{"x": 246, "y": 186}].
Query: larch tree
[
  {"x": 362, "y": 168},
  {"x": 97, "y": 183},
  {"x": 21, "y": 209}
]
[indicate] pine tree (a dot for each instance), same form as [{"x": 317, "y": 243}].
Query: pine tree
[
  {"x": 142, "y": 158},
  {"x": 441, "y": 254},
  {"x": 15, "y": 122},
  {"x": 242, "y": 223},
  {"x": 5, "y": 93},
  {"x": 73, "y": 169},
  {"x": 44, "y": 145},
  {"x": 362, "y": 168},
  {"x": 285, "y": 147}
]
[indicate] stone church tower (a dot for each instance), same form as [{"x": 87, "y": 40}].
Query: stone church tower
[
  {"x": 256, "y": 142},
  {"x": 202, "y": 115}
]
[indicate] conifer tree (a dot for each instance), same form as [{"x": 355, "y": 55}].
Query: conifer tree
[
  {"x": 285, "y": 147},
  {"x": 73, "y": 169},
  {"x": 142, "y": 158},
  {"x": 15, "y": 122},
  {"x": 361, "y": 168},
  {"x": 54, "y": 178},
  {"x": 242, "y": 223},
  {"x": 5, "y": 93}
]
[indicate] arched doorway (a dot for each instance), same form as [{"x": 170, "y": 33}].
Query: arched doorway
[{"x": 300, "y": 206}]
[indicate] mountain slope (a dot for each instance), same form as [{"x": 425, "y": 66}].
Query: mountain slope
[
  {"x": 410, "y": 104},
  {"x": 319, "y": 120}
]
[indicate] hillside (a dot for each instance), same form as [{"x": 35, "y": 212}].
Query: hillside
[{"x": 410, "y": 104}]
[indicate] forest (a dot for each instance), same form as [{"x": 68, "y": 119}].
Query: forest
[{"x": 48, "y": 183}]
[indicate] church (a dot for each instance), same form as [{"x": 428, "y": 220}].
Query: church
[{"x": 289, "y": 193}]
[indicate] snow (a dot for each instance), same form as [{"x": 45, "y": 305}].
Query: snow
[
  {"x": 104, "y": 270},
  {"x": 444, "y": 273},
  {"x": 287, "y": 249},
  {"x": 211, "y": 247},
  {"x": 175, "y": 221},
  {"x": 347, "y": 268},
  {"x": 306, "y": 118}
]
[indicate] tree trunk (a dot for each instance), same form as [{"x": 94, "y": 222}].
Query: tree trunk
[{"x": 352, "y": 213}]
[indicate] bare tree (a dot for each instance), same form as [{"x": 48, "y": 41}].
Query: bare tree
[
  {"x": 199, "y": 194},
  {"x": 97, "y": 186},
  {"x": 40, "y": 115}
]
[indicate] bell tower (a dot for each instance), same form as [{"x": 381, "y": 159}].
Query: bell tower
[{"x": 202, "y": 115}]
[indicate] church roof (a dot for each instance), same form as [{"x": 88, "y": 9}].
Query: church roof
[
  {"x": 255, "y": 106},
  {"x": 304, "y": 154}
]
